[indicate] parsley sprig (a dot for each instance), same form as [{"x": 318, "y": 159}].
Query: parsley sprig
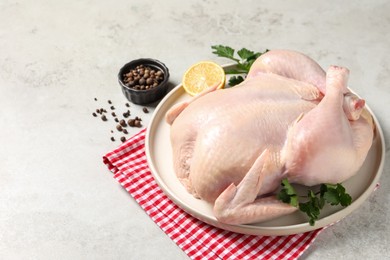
[
  {"x": 333, "y": 194},
  {"x": 244, "y": 61}
]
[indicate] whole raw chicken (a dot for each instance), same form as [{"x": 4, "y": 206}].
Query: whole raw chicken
[{"x": 288, "y": 119}]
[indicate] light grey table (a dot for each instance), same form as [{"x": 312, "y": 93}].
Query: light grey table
[{"x": 58, "y": 200}]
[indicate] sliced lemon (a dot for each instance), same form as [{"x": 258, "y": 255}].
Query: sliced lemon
[{"x": 203, "y": 75}]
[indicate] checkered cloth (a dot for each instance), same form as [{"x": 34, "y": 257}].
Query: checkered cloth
[{"x": 196, "y": 238}]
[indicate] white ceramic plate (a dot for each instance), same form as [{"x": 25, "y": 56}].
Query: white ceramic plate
[{"x": 159, "y": 156}]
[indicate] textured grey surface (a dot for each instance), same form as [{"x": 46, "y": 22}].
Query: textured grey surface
[{"x": 58, "y": 200}]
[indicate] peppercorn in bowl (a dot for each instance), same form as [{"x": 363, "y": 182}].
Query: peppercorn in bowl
[{"x": 144, "y": 80}]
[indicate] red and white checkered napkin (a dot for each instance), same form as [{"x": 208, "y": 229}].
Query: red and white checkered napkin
[{"x": 196, "y": 238}]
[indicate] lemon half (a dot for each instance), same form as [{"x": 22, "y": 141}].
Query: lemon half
[{"x": 203, "y": 75}]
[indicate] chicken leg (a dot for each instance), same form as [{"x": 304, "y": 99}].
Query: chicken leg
[{"x": 324, "y": 135}]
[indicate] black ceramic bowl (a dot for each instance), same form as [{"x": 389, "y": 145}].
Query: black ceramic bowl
[{"x": 146, "y": 96}]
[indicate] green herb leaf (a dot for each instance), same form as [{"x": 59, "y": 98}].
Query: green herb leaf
[
  {"x": 245, "y": 53},
  {"x": 235, "y": 80},
  {"x": 345, "y": 199},
  {"x": 244, "y": 62},
  {"x": 333, "y": 194},
  {"x": 224, "y": 51},
  {"x": 311, "y": 211},
  {"x": 288, "y": 187},
  {"x": 245, "y": 67},
  {"x": 234, "y": 71},
  {"x": 287, "y": 194}
]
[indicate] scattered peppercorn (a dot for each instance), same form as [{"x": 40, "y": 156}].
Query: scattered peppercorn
[
  {"x": 123, "y": 123},
  {"x": 126, "y": 114},
  {"x": 131, "y": 122},
  {"x": 137, "y": 123}
]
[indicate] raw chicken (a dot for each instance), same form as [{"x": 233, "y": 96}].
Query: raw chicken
[{"x": 288, "y": 119}]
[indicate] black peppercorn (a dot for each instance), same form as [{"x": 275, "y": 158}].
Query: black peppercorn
[
  {"x": 143, "y": 78},
  {"x": 137, "y": 123},
  {"x": 149, "y": 81},
  {"x": 142, "y": 81},
  {"x": 126, "y": 114},
  {"x": 131, "y": 122},
  {"x": 122, "y": 123}
]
